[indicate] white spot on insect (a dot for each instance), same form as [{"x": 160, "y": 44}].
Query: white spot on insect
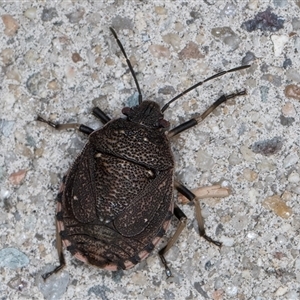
[
  {"x": 145, "y": 220},
  {"x": 98, "y": 155},
  {"x": 145, "y": 139},
  {"x": 122, "y": 131},
  {"x": 150, "y": 172},
  {"x": 75, "y": 198}
]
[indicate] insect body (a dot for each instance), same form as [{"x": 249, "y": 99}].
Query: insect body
[{"x": 117, "y": 199}]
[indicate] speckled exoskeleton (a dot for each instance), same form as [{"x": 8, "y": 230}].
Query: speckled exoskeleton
[{"x": 117, "y": 199}]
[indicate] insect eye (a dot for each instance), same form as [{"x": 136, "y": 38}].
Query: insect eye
[
  {"x": 164, "y": 123},
  {"x": 126, "y": 111}
]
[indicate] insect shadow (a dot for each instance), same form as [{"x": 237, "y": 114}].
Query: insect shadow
[{"x": 117, "y": 199}]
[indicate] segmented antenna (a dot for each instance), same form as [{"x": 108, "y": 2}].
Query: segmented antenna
[
  {"x": 128, "y": 63},
  {"x": 200, "y": 83}
]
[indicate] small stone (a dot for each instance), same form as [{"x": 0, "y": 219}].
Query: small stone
[
  {"x": 290, "y": 160},
  {"x": 173, "y": 40},
  {"x": 253, "y": 4},
  {"x": 218, "y": 295},
  {"x": 250, "y": 175},
  {"x": 286, "y": 121},
  {"x": 287, "y": 63},
  {"x": 248, "y": 58},
  {"x": 160, "y": 10},
  {"x": 264, "y": 92},
  {"x": 6, "y": 127},
  {"x": 248, "y": 155},
  {"x": 228, "y": 10},
  {"x": 49, "y": 13},
  {"x": 227, "y": 36},
  {"x": 204, "y": 161},
  {"x": 288, "y": 109},
  {"x": 292, "y": 91},
  {"x": 231, "y": 290},
  {"x": 17, "y": 177},
  {"x": 296, "y": 23},
  {"x": 278, "y": 206},
  {"x": 167, "y": 90},
  {"x": 294, "y": 177},
  {"x": 13, "y": 258},
  {"x": 76, "y": 57},
  {"x": 76, "y": 16},
  {"x": 265, "y": 21},
  {"x": 198, "y": 287},
  {"x": 279, "y": 42},
  {"x": 190, "y": 51},
  {"x": 234, "y": 159},
  {"x": 268, "y": 147},
  {"x": 119, "y": 22},
  {"x": 281, "y": 239},
  {"x": 159, "y": 51},
  {"x": 281, "y": 291},
  {"x": 55, "y": 286},
  {"x": 293, "y": 75},
  {"x": 7, "y": 56},
  {"x": 11, "y": 25},
  {"x": 227, "y": 241},
  {"x": 30, "y": 13},
  {"x": 274, "y": 79},
  {"x": 18, "y": 284}
]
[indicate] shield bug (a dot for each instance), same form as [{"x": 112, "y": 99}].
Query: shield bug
[{"x": 117, "y": 199}]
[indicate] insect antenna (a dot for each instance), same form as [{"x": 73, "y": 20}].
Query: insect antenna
[
  {"x": 128, "y": 63},
  {"x": 201, "y": 82}
]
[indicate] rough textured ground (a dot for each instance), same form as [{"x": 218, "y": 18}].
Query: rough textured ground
[{"x": 59, "y": 59}]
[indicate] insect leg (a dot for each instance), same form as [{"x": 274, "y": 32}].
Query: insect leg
[
  {"x": 101, "y": 115},
  {"x": 190, "y": 196},
  {"x": 182, "y": 224},
  {"x": 186, "y": 125},
  {"x": 82, "y": 128},
  {"x": 62, "y": 261}
]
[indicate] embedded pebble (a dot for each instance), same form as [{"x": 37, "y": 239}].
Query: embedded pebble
[
  {"x": 292, "y": 91},
  {"x": 290, "y": 160},
  {"x": 159, "y": 51},
  {"x": 191, "y": 50},
  {"x": 11, "y": 25},
  {"x": 296, "y": 23},
  {"x": 30, "y": 13},
  {"x": 249, "y": 174},
  {"x": 279, "y": 42},
  {"x": 227, "y": 36},
  {"x": 6, "y": 127},
  {"x": 278, "y": 206},
  {"x": 293, "y": 74},
  {"x": 265, "y": 21},
  {"x": 13, "y": 258},
  {"x": 55, "y": 286},
  {"x": 7, "y": 55},
  {"x": 281, "y": 239},
  {"x": 17, "y": 177},
  {"x": 234, "y": 159},
  {"x": 228, "y": 10},
  {"x": 281, "y": 291},
  {"x": 172, "y": 39},
  {"x": 253, "y": 4},
  {"x": 76, "y": 16},
  {"x": 248, "y": 58},
  {"x": 198, "y": 287},
  {"x": 48, "y": 14},
  {"x": 119, "y": 22},
  {"x": 36, "y": 84},
  {"x": 247, "y": 153},
  {"x": 160, "y": 10},
  {"x": 288, "y": 109},
  {"x": 286, "y": 121},
  {"x": 264, "y": 92},
  {"x": 231, "y": 290},
  {"x": 167, "y": 90},
  {"x": 17, "y": 283},
  {"x": 76, "y": 57},
  {"x": 204, "y": 161},
  {"x": 268, "y": 147},
  {"x": 274, "y": 79},
  {"x": 294, "y": 177}
]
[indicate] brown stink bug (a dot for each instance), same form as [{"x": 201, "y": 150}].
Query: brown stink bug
[{"x": 117, "y": 199}]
